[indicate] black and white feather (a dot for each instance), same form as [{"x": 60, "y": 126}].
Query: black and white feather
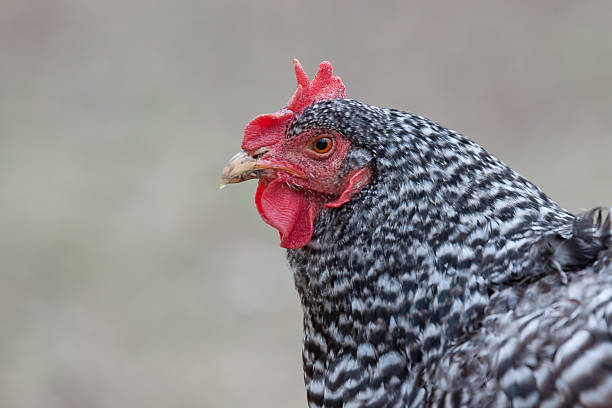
[{"x": 449, "y": 280}]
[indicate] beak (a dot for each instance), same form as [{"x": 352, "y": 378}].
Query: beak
[{"x": 243, "y": 167}]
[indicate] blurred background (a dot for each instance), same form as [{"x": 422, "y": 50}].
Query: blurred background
[{"x": 127, "y": 278}]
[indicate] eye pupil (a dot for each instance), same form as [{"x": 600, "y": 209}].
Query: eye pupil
[{"x": 322, "y": 145}]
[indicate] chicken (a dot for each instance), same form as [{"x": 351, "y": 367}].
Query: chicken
[{"x": 430, "y": 273}]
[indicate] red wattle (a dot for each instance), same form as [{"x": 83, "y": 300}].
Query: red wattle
[{"x": 288, "y": 210}]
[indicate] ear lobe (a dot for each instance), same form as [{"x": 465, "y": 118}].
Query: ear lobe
[{"x": 357, "y": 181}]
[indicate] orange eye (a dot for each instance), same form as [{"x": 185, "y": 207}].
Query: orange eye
[{"x": 322, "y": 144}]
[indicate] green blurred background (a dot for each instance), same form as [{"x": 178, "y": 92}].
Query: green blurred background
[{"x": 127, "y": 279}]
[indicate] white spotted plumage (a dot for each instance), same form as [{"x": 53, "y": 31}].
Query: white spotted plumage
[{"x": 449, "y": 280}]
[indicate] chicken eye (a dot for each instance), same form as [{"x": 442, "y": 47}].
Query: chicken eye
[{"x": 322, "y": 144}]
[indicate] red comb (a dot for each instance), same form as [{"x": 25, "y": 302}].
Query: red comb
[{"x": 267, "y": 129}]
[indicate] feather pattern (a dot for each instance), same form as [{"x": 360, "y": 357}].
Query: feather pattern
[{"x": 449, "y": 280}]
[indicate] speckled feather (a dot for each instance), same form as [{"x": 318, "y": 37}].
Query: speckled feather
[{"x": 449, "y": 280}]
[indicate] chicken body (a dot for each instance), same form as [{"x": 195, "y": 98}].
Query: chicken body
[
  {"x": 449, "y": 280},
  {"x": 446, "y": 279}
]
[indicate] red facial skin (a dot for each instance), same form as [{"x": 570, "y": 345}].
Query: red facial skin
[
  {"x": 299, "y": 181},
  {"x": 290, "y": 200}
]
